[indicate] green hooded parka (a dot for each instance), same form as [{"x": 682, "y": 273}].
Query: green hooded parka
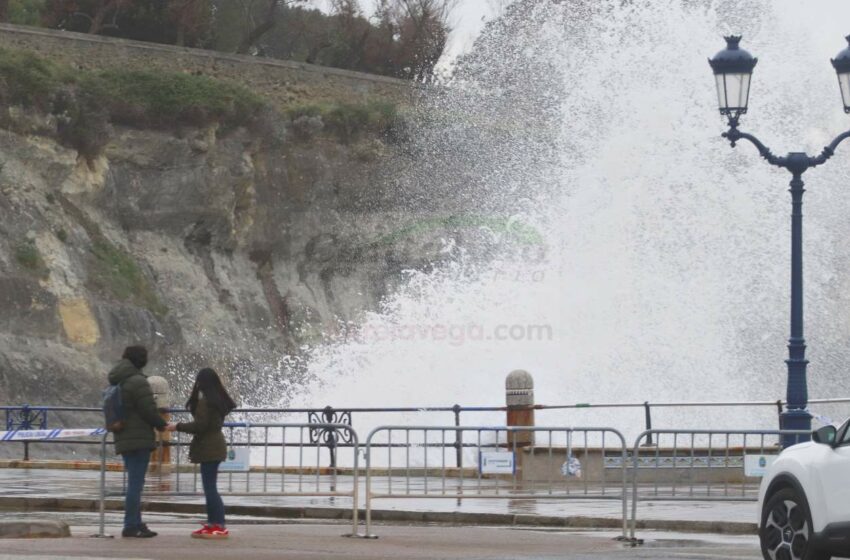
[
  {"x": 139, "y": 407},
  {"x": 208, "y": 443}
]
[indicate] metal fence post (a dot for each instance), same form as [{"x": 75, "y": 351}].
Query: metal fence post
[
  {"x": 368, "y": 534},
  {"x": 648, "y": 414},
  {"x": 458, "y": 438},
  {"x": 356, "y": 485},
  {"x": 25, "y": 424},
  {"x": 102, "y": 532},
  {"x": 625, "y": 458}
]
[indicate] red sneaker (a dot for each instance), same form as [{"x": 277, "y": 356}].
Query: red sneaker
[
  {"x": 202, "y": 532},
  {"x": 217, "y": 532}
]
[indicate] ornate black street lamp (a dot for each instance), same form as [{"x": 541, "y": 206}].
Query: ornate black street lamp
[{"x": 733, "y": 70}]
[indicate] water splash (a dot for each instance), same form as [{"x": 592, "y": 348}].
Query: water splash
[
  {"x": 253, "y": 371},
  {"x": 663, "y": 267}
]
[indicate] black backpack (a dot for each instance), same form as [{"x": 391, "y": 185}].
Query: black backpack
[{"x": 113, "y": 409}]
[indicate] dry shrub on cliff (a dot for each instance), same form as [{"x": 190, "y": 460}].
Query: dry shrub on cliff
[
  {"x": 26, "y": 79},
  {"x": 81, "y": 123},
  {"x": 85, "y": 103},
  {"x": 31, "y": 81},
  {"x": 163, "y": 99},
  {"x": 139, "y": 98},
  {"x": 347, "y": 120}
]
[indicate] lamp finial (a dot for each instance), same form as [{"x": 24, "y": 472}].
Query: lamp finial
[{"x": 733, "y": 42}]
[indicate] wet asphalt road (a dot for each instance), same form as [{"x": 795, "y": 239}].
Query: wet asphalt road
[
  {"x": 297, "y": 540},
  {"x": 658, "y": 545}
]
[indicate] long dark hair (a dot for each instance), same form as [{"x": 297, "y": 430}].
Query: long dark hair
[{"x": 209, "y": 383}]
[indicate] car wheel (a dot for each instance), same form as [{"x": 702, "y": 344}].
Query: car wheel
[{"x": 787, "y": 528}]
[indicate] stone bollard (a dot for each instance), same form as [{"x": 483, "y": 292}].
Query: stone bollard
[
  {"x": 519, "y": 397},
  {"x": 161, "y": 456}
]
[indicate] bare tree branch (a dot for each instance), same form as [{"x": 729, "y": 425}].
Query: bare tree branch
[
  {"x": 423, "y": 27},
  {"x": 266, "y": 25},
  {"x": 188, "y": 17},
  {"x": 104, "y": 8}
]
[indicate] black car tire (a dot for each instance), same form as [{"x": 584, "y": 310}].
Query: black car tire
[{"x": 786, "y": 528}]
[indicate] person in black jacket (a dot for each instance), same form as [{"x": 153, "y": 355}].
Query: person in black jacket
[{"x": 136, "y": 440}]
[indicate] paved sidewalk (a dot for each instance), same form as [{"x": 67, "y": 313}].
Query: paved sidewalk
[
  {"x": 318, "y": 541},
  {"x": 46, "y": 489}
]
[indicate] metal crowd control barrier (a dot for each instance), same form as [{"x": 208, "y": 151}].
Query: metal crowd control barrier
[
  {"x": 291, "y": 466},
  {"x": 513, "y": 463},
  {"x": 703, "y": 465},
  {"x": 25, "y": 415},
  {"x": 68, "y": 436}
]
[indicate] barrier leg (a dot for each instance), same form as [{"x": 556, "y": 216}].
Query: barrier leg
[
  {"x": 102, "y": 507},
  {"x": 635, "y": 541},
  {"x": 354, "y": 510},
  {"x": 355, "y": 514},
  {"x": 369, "y": 534},
  {"x": 355, "y": 494},
  {"x": 625, "y": 494}
]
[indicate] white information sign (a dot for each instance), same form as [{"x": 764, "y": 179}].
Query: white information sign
[
  {"x": 757, "y": 465},
  {"x": 496, "y": 462},
  {"x": 238, "y": 460}
]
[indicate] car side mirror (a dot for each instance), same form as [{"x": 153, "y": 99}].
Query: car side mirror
[{"x": 825, "y": 435}]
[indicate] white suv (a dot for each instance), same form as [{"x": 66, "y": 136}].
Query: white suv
[{"x": 804, "y": 499}]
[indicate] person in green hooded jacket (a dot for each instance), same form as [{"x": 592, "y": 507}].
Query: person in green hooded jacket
[
  {"x": 209, "y": 403},
  {"x": 135, "y": 441}
]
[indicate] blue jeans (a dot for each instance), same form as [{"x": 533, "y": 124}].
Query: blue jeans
[
  {"x": 136, "y": 465},
  {"x": 215, "y": 505}
]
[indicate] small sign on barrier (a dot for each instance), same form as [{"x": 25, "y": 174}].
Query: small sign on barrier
[
  {"x": 757, "y": 465},
  {"x": 497, "y": 462},
  {"x": 238, "y": 460}
]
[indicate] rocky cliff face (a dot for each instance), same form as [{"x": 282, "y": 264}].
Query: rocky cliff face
[
  {"x": 209, "y": 247},
  {"x": 233, "y": 224}
]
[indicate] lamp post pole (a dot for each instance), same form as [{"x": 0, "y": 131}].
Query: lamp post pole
[{"x": 733, "y": 69}]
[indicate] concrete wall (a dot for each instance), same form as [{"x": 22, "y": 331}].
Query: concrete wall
[
  {"x": 283, "y": 82},
  {"x": 540, "y": 464}
]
